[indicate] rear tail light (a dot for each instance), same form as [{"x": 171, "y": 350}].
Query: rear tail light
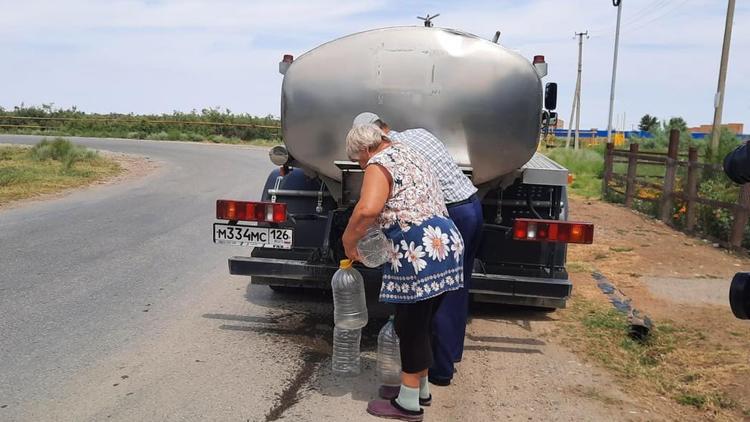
[
  {"x": 271, "y": 212},
  {"x": 553, "y": 231}
]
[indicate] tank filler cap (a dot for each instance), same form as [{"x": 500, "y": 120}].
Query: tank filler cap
[{"x": 428, "y": 19}]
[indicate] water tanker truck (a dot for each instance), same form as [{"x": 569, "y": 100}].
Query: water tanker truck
[{"x": 486, "y": 103}]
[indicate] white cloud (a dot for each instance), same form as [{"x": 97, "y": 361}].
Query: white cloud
[{"x": 156, "y": 56}]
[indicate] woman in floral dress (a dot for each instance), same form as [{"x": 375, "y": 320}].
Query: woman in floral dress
[{"x": 401, "y": 194}]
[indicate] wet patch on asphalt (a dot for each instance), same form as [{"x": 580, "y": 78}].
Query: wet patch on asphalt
[
  {"x": 291, "y": 394},
  {"x": 312, "y": 333}
]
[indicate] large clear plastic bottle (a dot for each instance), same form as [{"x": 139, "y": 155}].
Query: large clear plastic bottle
[
  {"x": 349, "y": 304},
  {"x": 389, "y": 356},
  {"x": 345, "y": 359},
  {"x": 374, "y": 248}
]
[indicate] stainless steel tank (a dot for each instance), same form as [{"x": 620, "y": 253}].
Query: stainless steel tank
[{"x": 481, "y": 99}]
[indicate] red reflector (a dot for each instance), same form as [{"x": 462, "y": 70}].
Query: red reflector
[
  {"x": 271, "y": 212},
  {"x": 553, "y": 231},
  {"x": 519, "y": 229},
  {"x": 279, "y": 213},
  {"x": 538, "y": 59}
]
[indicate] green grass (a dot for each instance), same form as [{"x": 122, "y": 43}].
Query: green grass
[
  {"x": 675, "y": 361},
  {"x": 586, "y": 166},
  {"x": 49, "y": 167},
  {"x": 695, "y": 400},
  {"x": 579, "y": 267}
]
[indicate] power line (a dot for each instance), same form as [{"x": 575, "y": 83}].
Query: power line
[
  {"x": 643, "y": 17},
  {"x": 654, "y": 18}
]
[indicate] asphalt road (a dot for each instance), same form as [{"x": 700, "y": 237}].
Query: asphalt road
[{"x": 84, "y": 276}]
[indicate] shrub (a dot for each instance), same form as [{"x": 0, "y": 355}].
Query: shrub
[{"x": 60, "y": 150}]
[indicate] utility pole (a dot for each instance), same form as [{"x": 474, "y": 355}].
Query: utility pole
[
  {"x": 618, "y": 4},
  {"x": 577, "y": 96},
  {"x": 719, "y": 98}
]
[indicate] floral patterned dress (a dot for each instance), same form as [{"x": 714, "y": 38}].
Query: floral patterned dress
[{"x": 426, "y": 247}]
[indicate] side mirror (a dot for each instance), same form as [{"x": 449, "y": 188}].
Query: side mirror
[{"x": 550, "y": 96}]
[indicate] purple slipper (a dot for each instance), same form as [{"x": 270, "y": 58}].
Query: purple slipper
[
  {"x": 389, "y": 392},
  {"x": 389, "y": 409}
]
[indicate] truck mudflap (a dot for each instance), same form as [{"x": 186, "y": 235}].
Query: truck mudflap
[{"x": 519, "y": 290}]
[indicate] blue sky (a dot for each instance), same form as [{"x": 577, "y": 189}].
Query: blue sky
[{"x": 164, "y": 55}]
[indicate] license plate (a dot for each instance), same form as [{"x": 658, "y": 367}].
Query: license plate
[{"x": 266, "y": 237}]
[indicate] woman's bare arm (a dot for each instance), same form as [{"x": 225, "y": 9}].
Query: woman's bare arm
[{"x": 376, "y": 188}]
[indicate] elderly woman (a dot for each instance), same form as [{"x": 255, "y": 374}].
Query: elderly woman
[{"x": 402, "y": 195}]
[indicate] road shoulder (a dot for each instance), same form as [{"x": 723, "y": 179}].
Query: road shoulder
[{"x": 132, "y": 167}]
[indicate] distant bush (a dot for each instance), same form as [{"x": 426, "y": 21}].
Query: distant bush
[{"x": 193, "y": 126}]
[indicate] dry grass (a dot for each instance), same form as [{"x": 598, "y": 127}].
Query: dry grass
[
  {"x": 24, "y": 175},
  {"x": 677, "y": 362}
]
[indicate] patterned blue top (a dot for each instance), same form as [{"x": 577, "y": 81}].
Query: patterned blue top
[{"x": 454, "y": 184}]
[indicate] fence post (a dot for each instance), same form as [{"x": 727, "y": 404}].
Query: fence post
[
  {"x": 667, "y": 200},
  {"x": 741, "y": 214},
  {"x": 608, "y": 160},
  {"x": 632, "y": 167},
  {"x": 691, "y": 189}
]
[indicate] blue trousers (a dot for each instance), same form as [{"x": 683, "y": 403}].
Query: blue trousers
[{"x": 449, "y": 322}]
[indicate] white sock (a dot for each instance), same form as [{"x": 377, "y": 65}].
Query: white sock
[
  {"x": 424, "y": 388},
  {"x": 408, "y": 398}
]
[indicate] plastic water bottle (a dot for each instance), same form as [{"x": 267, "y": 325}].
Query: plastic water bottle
[
  {"x": 349, "y": 304},
  {"x": 373, "y": 248},
  {"x": 345, "y": 359},
  {"x": 389, "y": 356}
]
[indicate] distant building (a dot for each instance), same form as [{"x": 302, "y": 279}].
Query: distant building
[
  {"x": 560, "y": 124},
  {"x": 735, "y": 128}
]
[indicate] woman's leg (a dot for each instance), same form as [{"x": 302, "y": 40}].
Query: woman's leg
[{"x": 412, "y": 322}]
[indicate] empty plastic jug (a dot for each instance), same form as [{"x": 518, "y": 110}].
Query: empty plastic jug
[
  {"x": 374, "y": 248},
  {"x": 389, "y": 356},
  {"x": 349, "y": 304},
  {"x": 345, "y": 359}
]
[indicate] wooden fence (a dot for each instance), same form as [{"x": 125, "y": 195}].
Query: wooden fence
[{"x": 668, "y": 189}]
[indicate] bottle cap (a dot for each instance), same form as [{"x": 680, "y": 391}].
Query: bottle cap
[{"x": 345, "y": 263}]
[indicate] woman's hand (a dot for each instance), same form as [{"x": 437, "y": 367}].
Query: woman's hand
[{"x": 351, "y": 251}]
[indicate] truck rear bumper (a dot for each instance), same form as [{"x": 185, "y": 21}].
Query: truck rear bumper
[{"x": 530, "y": 291}]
